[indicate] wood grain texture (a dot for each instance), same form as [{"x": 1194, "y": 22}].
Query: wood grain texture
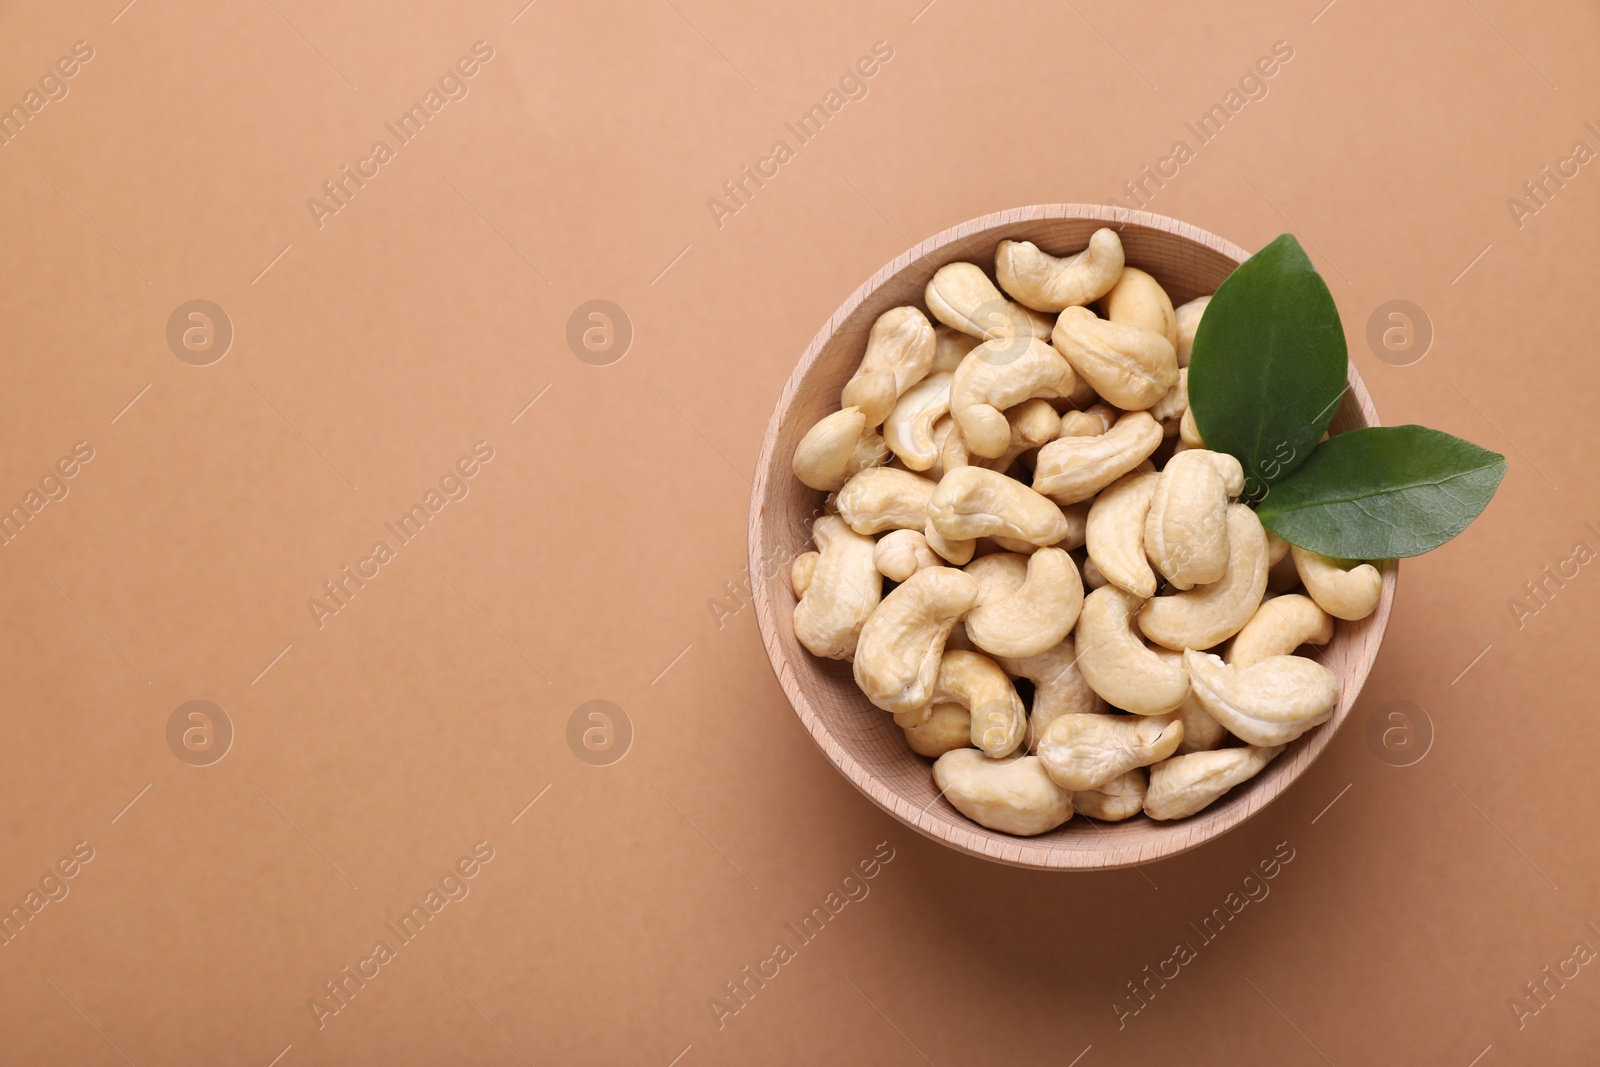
[{"x": 862, "y": 741}]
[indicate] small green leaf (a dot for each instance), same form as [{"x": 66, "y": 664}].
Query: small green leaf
[
  {"x": 1268, "y": 365},
  {"x": 1383, "y": 493}
]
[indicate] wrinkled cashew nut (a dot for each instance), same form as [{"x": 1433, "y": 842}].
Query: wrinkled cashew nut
[
  {"x": 1128, "y": 365},
  {"x": 899, "y": 352},
  {"x": 1269, "y": 703},
  {"x": 1115, "y": 533},
  {"x": 885, "y": 498},
  {"x": 1186, "y": 784},
  {"x": 1032, "y": 617},
  {"x": 1070, "y": 469},
  {"x": 1138, "y": 300},
  {"x": 1087, "y": 751},
  {"x": 1014, "y": 796},
  {"x": 835, "y": 448},
  {"x": 1186, "y": 530},
  {"x": 1058, "y": 688},
  {"x": 1343, "y": 588},
  {"x": 1047, "y": 283},
  {"x": 1121, "y": 798},
  {"x": 961, "y": 296},
  {"x": 947, "y": 727},
  {"x": 999, "y": 721},
  {"x": 1279, "y": 626},
  {"x": 908, "y": 431},
  {"x": 998, "y": 375},
  {"x": 901, "y": 553},
  {"x": 898, "y": 655},
  {"x": 1207, "y": 615},
  {"x": 972, "y": 502},
  {"x": 842, "y": 594},
  {"x": 1188, "y": 319},
  {"x": 1116, "y": 663}
]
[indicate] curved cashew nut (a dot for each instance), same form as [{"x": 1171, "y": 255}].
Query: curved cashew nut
[
  {"x": 1186, "y": 530},
  {"x": 1201, "y": 732},
  {"x": 1270, "y": 703},
  {"x": 1138, "y": 300},
  {"x": 1279, "y": 626},
  {"x": 999, "y": 722},
  {"x": 901, "y": 553},
  {"x": 972, "y": 502},
  {"x": 947, "y": 727},
  {"x": 1014, "y": 796},
  {"x": 1058, "y": 688},
  {"x": 1208, "y": 615},
  {"x": 1046, "y": 283},
  {"x": 1070, "y": 469},
  {"x": 1343, "y": 588},
  {"x": 1116, "y": 663},
  {"x": 885, "y": 498},
  {"x": 1128, "y": 365},
  {"x": 1121, "y": 798},
  {"x": 842, "y": 594},
  {"x": 1115, "y": 533},
  {"x": 961, "y": 296},
  {"x": 1188, "y": 319},
  {"x": 1186, "y": 784},
  {"x": 899, "y": 352},
  {"x": 901, "y": 645},
  {"x": 801, "y": 572},
  {"x": 835, "y": 448},
  {"x": 908, "y": 430},
  {"x": 998, "y": 375},
  {"x": 950, "y": 347},
  {"x": 1035, "y": 615},
  {"x": 1087, "y": 751}
]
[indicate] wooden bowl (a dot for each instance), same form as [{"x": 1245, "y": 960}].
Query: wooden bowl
[{"x": 862, "y": 741}]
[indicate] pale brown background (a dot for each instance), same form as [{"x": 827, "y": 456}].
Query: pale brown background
[{"x": 425, "y": 716}]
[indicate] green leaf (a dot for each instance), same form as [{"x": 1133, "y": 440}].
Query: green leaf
[
  {"x": 1383, "y": 493},
  {"x": 1268, "y": 365}
]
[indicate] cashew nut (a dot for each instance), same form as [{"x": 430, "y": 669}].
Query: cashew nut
[
  {"x": 1014, "y": 796},
  {"x": 947, "y": 727},
  {"x": 957, "y": 551},
  {"x": 1093, "y": 578},
  {"x": 1269, "y": 703},
  {"x": 835, "y": 448},
  {"x": 908, "y": 430},
  {"x": 960, "y": 295},
  {"x": 1128, "y": 365},
  {"x": 971, "y": 502},
  {"x": 1279, "y": 626},
  {"x": 1185, "y": 784},
  {"x": 801, "y": 572},
  {"x": 1277, "y": 548},
  {"x": 1087, "y": 751},
  {"x": 885, "y": 498},
  {"x": 1232, "y": 472},
  {"x": 1032, "y": 616},
  {"x": 1201, "y": 732},
  {"x": 1033, "y": 423},
  {"x": 899, "y": 353},
  {"x": 1138, "y": 300},
  {"x": 901, "y": 645},
  {"x": 1168, "y": 411},
  {"x": 1186, "y": 530},
  {"x": 998, "y": 375},
  {"x": 1089, "y": 422},
  {"x": 1070, "y": 469},
  {"x": 1115, "y": 533},
  {"x": 901, "y": 553},
  {"x": 1046, "y": 283},
  {"x": 1188, "y": 319},
  {"x": 1116, "y": 663},
  {"x": 1343, "y": 588},
  {"x": 1208, "y": 615},
  {"x": 1058, "y": 688},
  {"x": 999, "y": 721},
  {"x": 950, "y": 348},
  {"x": 1188, "y": 432},
  {"x": 1121, "y": 798},
  {"x": 843, "y": 591}
]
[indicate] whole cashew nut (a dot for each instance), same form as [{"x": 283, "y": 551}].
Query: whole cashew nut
[
  {"x": 1035, "y": 615},
  {"x": 961, "y": 296},
  {"x": 1070, "y": 469},
  {"x": 999, "y": 721},
  {"x": 1208, "y": 615},
  {"x": 1116, "y": 663},
  {"x": 1188, "y": 318},
  {"x": 837, "y": 447},
  {"x": 908, "y": 430},
  {"x": 947, "y": 727},
  {"x": 1186, "y": 784},
  {"x": 1269, "y": 703},
  {"x": 1045, "y": 283},
  {"x": 1128, "y": 365},
  {"x": 1082, "y": 752},
  {"x": 1186, "y": 530},
  {"x": 843, "y": 592},
  {"x": 901, "y": 553},
  {"x": 1343, "y": 588},
  {"x": 801, "y": 572},
  {"x": 1138, "y": 300},
  {"x": 1014, "y": 796},
  {"x": 998, "y": 375},
  {"x": 1279, "y": 626},
  {"x": 971, "y": 502},
  {"x": 898, "y": 655},
  {"x": 1115, "y": 533},
  {"x": 1121, "y": 798},
  {"x": 899, "y": 352},
  {"x": 1058, "y": 688},
  {"x": 885, "y": 498}
]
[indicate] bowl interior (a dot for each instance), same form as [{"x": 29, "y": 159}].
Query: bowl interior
[{"x": 863, "y": 741}]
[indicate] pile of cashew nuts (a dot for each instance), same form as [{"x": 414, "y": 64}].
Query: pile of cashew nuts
[{"x": 987, "y": 470}]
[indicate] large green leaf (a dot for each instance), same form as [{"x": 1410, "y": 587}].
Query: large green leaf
[
  {"x": 1383, "y": 493},
  {"x": 1268, "y": 365}
]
